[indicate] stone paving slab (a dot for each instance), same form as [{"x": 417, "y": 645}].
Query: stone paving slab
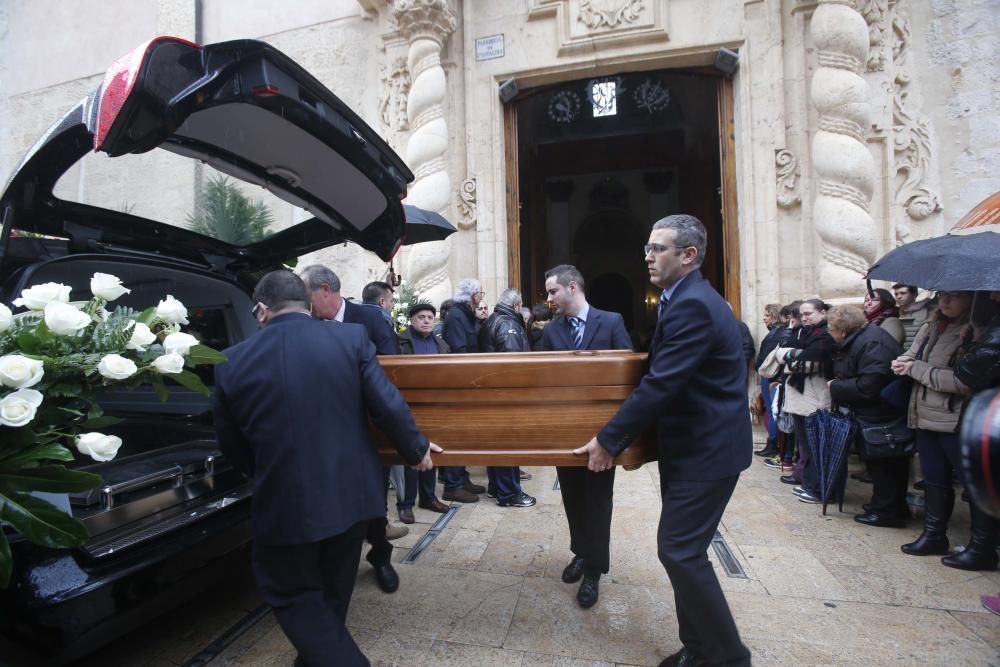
[{"x": 818, "y": 591}]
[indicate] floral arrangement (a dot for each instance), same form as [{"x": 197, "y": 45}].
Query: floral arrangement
[
  {"x": 55, "y": 358},
  {"x": 404, "y": 297}
]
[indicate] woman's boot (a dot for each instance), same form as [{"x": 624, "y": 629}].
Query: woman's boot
[
  {"x": 981, "y": 552},
  {"x": 938, "y": 503}
]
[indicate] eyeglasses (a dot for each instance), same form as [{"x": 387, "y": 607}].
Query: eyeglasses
[
  {"x": 480, "y": 294},
  {"x": 656, "y": 248},
  {"x": 256, "y": 307}
]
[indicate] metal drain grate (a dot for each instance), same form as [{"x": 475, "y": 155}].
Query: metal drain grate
[
  {"x": 726, "y": 557},
  {"x": 431, "y": 535}
]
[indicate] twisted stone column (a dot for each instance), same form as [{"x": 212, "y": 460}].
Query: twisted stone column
[
  {"x": 426, "y": 24},
  {"x": 844, "y": 168}
]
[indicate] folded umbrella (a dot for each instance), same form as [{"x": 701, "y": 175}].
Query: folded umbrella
[
  {"x": 423, "y": 225},
  {"x": 964, "y": 259},
  {"x": 828, "y": 436}
]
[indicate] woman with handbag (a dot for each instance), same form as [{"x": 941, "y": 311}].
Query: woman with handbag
[
  {"x": 934, "y": 412},
  {"x": 862, "y": 368}
]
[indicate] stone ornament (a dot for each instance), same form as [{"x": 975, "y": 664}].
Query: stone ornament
[
  {"x": 585, "y": 26},
  {"x": 597, "y": 14},
  {"x": 876, "y": 13},
  {"x": 787, "y": 176},
  {"x": 395, "y": 80},
  {"x": 467, "y": 204},
  {"x": 428, "y": 19},
  {"x": 844, "y": 168},
  {"x": 911, "y": 134},
  {"x": 426, "y": 25}
]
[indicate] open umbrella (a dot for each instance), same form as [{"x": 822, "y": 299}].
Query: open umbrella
[
  {"x": 963, "y": 259},
  {"x": 423, "y": 225},
  {"x": 828, "y": 435}
]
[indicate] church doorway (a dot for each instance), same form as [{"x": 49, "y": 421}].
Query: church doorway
[{"x": 593, "y": 163}]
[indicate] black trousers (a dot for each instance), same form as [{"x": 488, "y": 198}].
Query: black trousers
[
  {"x": 309, "y": 587},
  {"x": 587, "y": 498},
  {"x": 690, "y": 516},
  {"x": 889, "y": 481},
  {"x": 423, "y": 481},
  {"x": 381, "y": 550}
]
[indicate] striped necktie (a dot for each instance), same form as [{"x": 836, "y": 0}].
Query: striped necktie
[
  {"x": 662, "y": 304},
  {"x": 576, "y": 325}
]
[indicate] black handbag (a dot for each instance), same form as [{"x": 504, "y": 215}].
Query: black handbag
[{"x": 886, "y": 438}]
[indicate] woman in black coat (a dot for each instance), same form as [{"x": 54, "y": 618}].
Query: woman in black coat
[{"x": 861, "y": 369}]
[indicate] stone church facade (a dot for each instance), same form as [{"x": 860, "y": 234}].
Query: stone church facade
[{"x": 849, "y": 126}]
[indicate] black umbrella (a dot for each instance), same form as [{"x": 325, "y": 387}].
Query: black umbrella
[
  {"x": 968, "y": 258},
  {"x": 423, "y": 226}
]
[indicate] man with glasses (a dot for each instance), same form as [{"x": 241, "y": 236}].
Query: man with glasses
[
  {"x": 695, "y": 393},
  {"x": 278, "y": 399},
  {"x": 587, "y": 495}
]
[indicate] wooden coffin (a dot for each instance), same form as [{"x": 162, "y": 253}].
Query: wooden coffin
[{"x": 529, "y": 409}]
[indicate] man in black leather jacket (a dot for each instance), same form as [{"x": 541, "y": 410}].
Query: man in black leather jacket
[{"x": 504, "y": 331}]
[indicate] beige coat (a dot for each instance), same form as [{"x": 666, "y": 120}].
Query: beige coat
[{"x": 936, "y": 399}]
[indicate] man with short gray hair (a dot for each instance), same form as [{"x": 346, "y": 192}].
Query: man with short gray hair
[
  {"x": 504, "y": 331},
  {"x": 459, "y": 332},
  {"x": 695, "y": 394}
]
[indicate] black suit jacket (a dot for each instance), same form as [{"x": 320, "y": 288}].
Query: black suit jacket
[
  {"x": 604, "y": 331},
  {"x": 695, "y": 390},
  {"x": 292, "y": 405},
  {"x": 379, "y": 330}
]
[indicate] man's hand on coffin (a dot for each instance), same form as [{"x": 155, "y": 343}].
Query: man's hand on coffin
[
  {"x": 599, "y": 459},
  {"x": 427, "y": 463}
]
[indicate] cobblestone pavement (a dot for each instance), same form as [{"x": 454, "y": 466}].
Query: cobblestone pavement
[{"x": 816, "y": 591}]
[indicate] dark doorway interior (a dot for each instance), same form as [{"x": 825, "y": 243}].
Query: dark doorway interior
[{"x": 599, "y": 164}]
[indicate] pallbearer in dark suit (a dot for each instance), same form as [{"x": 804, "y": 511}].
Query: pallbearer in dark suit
[
  {"x": 292, "y": 405},
  {"x": 587, "y": 495},
  {"x": 695, "y": 393},
  {"x": 326, "y": 303}
]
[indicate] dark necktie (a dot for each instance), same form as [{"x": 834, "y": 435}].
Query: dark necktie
[
  {"x": 662, "y": 304},
  {"x": 576, "y": 326}
]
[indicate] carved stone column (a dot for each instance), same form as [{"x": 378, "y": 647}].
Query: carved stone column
[
  {"x": 843, "y": 166},
  {"x": 426, "y": 24}
]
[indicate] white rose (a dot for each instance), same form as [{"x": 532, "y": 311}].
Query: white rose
[
  {"x": 5, "y": 318},
  {"x": 18, "y": 408},
  {"x": 116, "y": 367},
  {"x": 98, "y": 446},
  {"x": 107, "y": 286},
  {"x": 18, "y": 372},
  {"x": 37, "y": 297},
  {"x": 141, "y": 336},
  {"x": 169, "y": 363},
  {"x": 172, "y": 310},
  {"x": 179, "y": 343},
  {"x": 64, "y": 319}
]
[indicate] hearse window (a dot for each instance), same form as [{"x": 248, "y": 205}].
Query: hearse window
[{"x": 187, "y": 194}]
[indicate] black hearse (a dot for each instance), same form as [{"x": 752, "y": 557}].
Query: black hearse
[{"x": 172, "y": 516}]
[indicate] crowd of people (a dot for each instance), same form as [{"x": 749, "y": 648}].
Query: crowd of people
[
  {"x": 903, "y": 369},
  {"x": 320, "y": 491}
]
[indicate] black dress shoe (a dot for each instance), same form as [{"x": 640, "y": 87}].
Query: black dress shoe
[
  {"x": 573, "y": 571},
  {"x": 684, "y": 658},
  {"x": 386, "y": 577},
  {"x": 587, "y": 595},
  {"x": 880, "y": 520},
  {"x": 790, "y": 479}
]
